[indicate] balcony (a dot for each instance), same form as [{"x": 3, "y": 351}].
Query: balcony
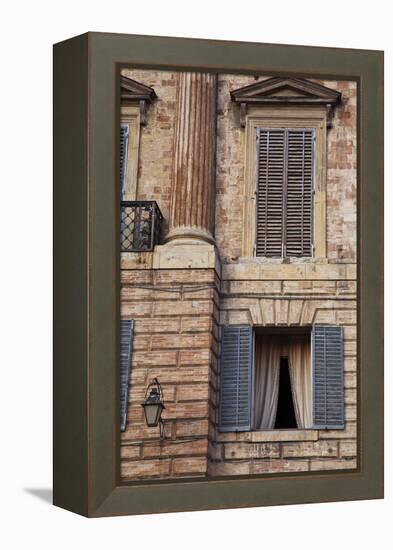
[{"x": 140, "y": 225}]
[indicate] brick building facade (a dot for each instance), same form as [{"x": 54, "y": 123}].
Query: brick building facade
[{"x": 190, "y": 152}]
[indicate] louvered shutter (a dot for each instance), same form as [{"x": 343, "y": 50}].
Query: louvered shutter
[
  {"x": 270, "y": 192},
  {"x": 328, "y": 377},
  {"x": 284, "y": 211},
  {"x": 236, "y": 368},
  {"x": 299, "y": 192},
  {"x": 124, "y": 134},
  {"x": 126, "y": 337}
]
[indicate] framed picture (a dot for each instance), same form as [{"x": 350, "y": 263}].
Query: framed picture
[{"x": 218, "y": 320}]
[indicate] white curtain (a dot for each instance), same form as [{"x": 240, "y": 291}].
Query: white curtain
[
  {"x": 267, "y": 373},
  {"x": 299, "y": 363}
]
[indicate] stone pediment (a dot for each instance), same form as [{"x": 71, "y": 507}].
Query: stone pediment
[
  {"x": 134, "y": 91},
  {"x": 284, "y": 91}
]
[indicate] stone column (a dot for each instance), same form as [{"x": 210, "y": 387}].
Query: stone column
[{"x": 193, "y": 183}]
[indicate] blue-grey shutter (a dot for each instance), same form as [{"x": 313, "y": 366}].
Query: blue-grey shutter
[
  {"x": 124, "y": 133},
  {"x": 328, "y": 377},
  {"x": 126, "y": 336},
  {"x": 236, "y": 369}
]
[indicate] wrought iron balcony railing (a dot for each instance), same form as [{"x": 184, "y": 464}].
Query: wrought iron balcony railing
[{"x": 140, "y": 225}]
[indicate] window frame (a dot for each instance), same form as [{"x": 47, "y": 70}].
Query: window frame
[
  {"x": 130, "y": 116},
  {"x": 313, "y": 117},
  {"x": 288, "y": 331}
]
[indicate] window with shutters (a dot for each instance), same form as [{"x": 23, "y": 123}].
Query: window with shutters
[
  {"x": 281, "y": 378},
  {"x": 284, "y": 192},
  {"x": 285, "y": 175}
]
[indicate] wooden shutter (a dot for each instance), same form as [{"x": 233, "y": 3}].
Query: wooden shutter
[
  {"x": 270, "y": 192},
  {"x": 299, "y": 195},
  {"x": 236, "y": 369},
  {"x": 284, "y": 209},
  {"x": 328, "y": 377},
  {"x": 126, "y": 337},
  {"x": 124, "y": 134}
]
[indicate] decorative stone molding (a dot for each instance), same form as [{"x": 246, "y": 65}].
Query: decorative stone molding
[
  {"x": 132, "y": 91},
  {"x": 284, "y": 91}
]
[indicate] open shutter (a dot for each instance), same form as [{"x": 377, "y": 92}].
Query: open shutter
[
  {"x": 299, "y": 195},
  {"x": 328, "y": 377},
  {"x": 126, "y": 336},
  {"x": 124, "y": 133},
  {"x": 270, "y": 192},
  {"x": 236, "y": 378},
  {"x": 284, "y": 208}
]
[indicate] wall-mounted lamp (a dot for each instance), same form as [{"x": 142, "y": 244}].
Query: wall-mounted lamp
[{"x": 153, "y": 405}]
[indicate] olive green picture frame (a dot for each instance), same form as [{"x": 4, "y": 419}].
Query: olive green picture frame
[{"x": 86, "y": 275}]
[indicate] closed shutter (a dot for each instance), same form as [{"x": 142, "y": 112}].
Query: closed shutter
[
  {"x": 124, "y": 133},
  {"x": 126, "y": 337},
  {"x": 299, "y": 209},
  {"x": 328, "y": 377},
  {"x": 236, "y": 369},
  {"x": 270, "y": 192},
  {"x": 284, "y": 210}
]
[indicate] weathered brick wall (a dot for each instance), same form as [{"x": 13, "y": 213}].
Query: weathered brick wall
[{"x": 175, "y": 340}]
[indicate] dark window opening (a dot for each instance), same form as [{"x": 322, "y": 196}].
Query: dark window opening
[{"x": 285, "y": 416}]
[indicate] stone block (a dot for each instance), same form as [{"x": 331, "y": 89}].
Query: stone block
[
  {"x": 346, "y": 317},
  {"x": 173, "y": 341},
  {"x": 192, "y": 392},
  {"x": 239, "y": 468},
  {"x": 310, "y": 449},
  {"x": 197, "y": 409},
  {"x": 169, "y": 277},
  {"x": 154, "y": 358},
  {"x": 350, "y": 397},
  {"x": 248, "y": 451},
  {"x": 322, "y": 465},
  {"x": 350, "y": 412},
  {"x": 132, "y": 310},
  {"x": 182, "y": 307},
  {"x": 191, "y": 428},
  {"x": 190, "y": 465},
  {"x": 183, "y": 374},
  {"x": 279, "y": 466},
  {"x": 194, "y": 357},
  {"x": 175, "y": 448},
  {"x": 282, "y": 435},
  {"x": 348, "y": 433},
  {"x": 145, "y": 469},
  {"x": 135, "y": 277},
  {"x": 348, "y": 448},
  {"x": 128, "y": 452}
]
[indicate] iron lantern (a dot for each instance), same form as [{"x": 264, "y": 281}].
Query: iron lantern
[{"x": 153, "y": 405}]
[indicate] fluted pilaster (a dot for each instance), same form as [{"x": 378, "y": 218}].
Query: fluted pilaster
[{"x": 193, "y": 184}]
